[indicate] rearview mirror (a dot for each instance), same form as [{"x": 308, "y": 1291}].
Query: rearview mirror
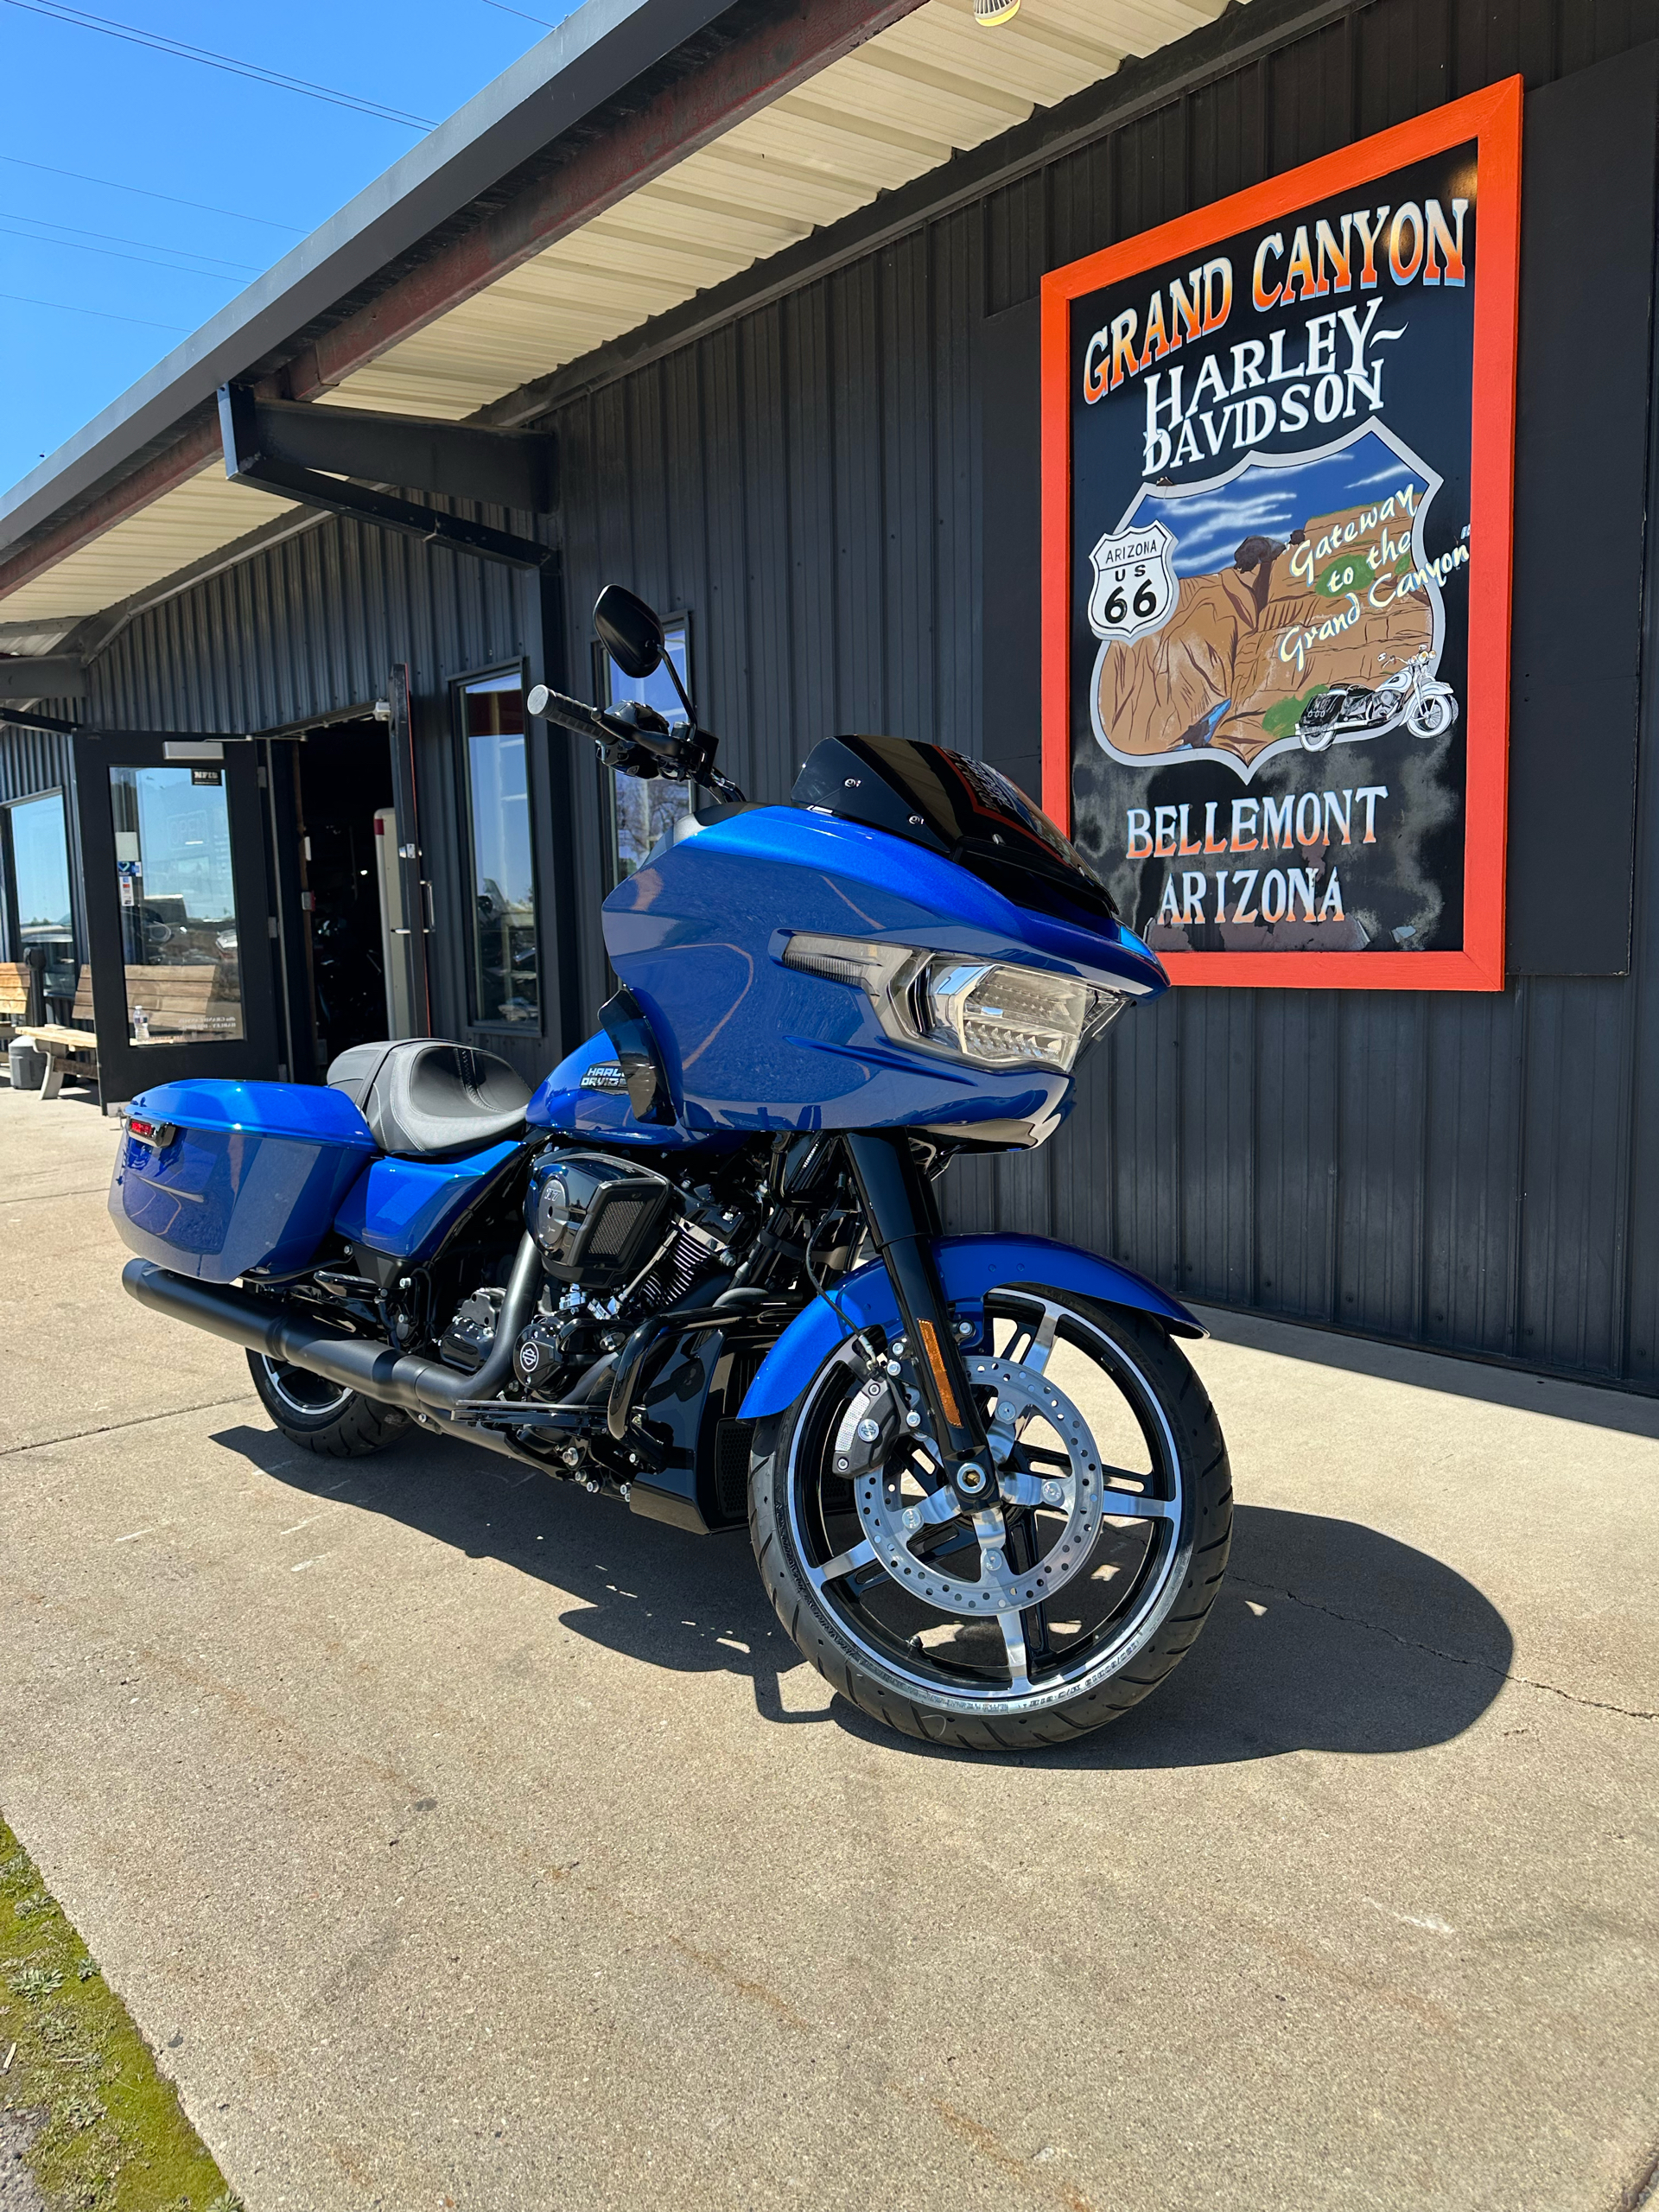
[{"x": 629, "y": 631}]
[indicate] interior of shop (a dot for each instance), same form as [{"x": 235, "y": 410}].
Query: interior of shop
[{"x": 344, "y": 798}]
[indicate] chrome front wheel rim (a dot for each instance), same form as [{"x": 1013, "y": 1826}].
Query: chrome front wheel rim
[{"x": 1066, "y": 1572}]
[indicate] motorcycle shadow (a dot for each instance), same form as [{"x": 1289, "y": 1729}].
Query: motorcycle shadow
[{"x": 1327, "y": 1636}]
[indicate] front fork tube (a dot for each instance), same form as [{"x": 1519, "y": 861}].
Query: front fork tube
[{"x": 903, "y": 1222}]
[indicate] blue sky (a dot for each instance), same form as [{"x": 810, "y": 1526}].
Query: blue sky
[
  {"x": 1271, "y": 501},
  {"x": 108, "y": 108}
]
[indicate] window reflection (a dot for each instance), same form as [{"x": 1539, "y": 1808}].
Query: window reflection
[
  {"x": 506, "y": 987},
  {"x": 44, "y": 933},
  {"x": 177, "y": 904},
  {"x": 643, "y": 813}
]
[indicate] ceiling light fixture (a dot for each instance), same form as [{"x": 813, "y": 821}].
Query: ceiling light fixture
[{"x": 995, "y": 11}]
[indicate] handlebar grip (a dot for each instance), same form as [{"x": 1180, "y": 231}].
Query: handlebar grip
[{"x": 547, "y": 705}]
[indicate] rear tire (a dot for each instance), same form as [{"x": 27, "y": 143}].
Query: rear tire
[
  {"x": 320, "y": 1416},
  {"x": 801, "y": 1510}
]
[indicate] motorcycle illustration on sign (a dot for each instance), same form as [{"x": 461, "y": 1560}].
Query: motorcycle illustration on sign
[
  {"x": 1293, "y": 579},
  {"x": 1353, "y": 711}
]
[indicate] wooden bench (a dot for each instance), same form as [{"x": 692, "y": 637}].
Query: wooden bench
[
  {"x": 174, "y": 1000},
  {"x": 68, "y": 1050},
  {"x": 65, "y": 1050},
  {"x": 14, "y": 981}
]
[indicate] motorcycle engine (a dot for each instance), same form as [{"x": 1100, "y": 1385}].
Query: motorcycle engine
[
  {"x": 596, "y": 1219},
  {"x": 470, "y": 1338},
  {"x": 541, "y": 1358}
]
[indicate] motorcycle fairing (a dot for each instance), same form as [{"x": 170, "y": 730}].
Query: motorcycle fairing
[
  {"x": 749, "y": 1045},
  {"x": 970, "y": 1267},
  {"x": 971, "y": 813},
  {"x": 586, "y": 1096}
]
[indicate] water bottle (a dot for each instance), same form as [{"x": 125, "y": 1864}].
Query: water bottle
[{"x": 140, "y": 1026}]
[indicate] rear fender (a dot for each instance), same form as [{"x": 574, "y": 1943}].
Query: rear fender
[{"x": 968, "y": 1267}]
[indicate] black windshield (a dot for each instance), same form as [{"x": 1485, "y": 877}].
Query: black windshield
[{"x": 971, "y": 813}]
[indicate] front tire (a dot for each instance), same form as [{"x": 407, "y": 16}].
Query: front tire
[
  {"x": 1090, "y": 1576},
  {"x": 1433, "y": 716},
  {"x": 322, "y": 1416}
]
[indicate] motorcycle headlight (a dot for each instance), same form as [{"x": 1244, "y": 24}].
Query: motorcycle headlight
[{"x": 996, "y": 1014}]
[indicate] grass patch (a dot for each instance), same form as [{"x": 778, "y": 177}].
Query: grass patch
[{"x": 114, "y": 2137}]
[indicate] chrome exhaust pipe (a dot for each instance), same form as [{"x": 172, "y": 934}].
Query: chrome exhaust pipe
[{"x": 285, "y": 1333}]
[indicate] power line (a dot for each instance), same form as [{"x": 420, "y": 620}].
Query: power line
[
  {"x": 62, "y": 307},
  {"x": 505, "y": 10},
  {"x": 109, "y": 184},
  {"x": 158, "y": 43},
  {"x": 110, "y": 253},
  {"x": 109, "y": 238}
]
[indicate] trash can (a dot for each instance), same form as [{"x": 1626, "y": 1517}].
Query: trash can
[{"x": 28, "y": 1065}]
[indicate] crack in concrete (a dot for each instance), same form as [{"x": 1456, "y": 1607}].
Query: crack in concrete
[
  {"x": 1642, "y": 2191},
  {"x": 39, "y": 1197},
  {"x": 114, "y": 1427},
  {"x": 1456, "y": 1658}
]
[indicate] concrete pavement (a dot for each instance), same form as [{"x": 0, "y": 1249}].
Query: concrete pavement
[{"x": 460, "y": 1840}]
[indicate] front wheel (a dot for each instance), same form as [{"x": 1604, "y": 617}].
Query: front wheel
[
  {"x": 323, "y": 1416},
  {"x": 1433, "y": 715},
  {"x": 1063, "y": 1602}
]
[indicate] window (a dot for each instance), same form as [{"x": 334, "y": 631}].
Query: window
[
  {"x": 178, "y": 904},
  {"x": 505, "y": 980},
  {"x": 641, "y": 813},
  {"x": 42, "y": 930}
]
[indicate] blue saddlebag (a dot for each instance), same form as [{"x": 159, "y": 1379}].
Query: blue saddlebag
[{"x": 214, "y": 1178}]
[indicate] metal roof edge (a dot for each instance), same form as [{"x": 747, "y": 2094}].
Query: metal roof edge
[
  {"x": 588, "y": 58},
  {"x": 1245, "y": 31}
]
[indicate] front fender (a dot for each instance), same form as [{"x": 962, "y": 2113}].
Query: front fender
[{"x": 969, "y": 1267}]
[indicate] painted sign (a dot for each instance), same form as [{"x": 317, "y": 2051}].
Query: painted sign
[{"x": 1278, "y": 440}]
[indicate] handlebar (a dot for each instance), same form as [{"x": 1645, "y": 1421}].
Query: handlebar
[
  {"x": 548, "y": 705},
  {"x": 689, "y": 753}
]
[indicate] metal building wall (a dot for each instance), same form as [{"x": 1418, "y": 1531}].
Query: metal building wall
[
  {"x": 1469, "y": 1172},
  {"x": 313, "y": 624},
  {"x": 1474, "y": 1173}
]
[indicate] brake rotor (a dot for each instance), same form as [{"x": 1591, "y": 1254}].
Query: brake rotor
[{"x": 894, "y": 1524}]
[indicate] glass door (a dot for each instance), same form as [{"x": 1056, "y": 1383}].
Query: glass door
[
  {"x": 35, "y": 853},
  {"x": 173, "y": 848}
]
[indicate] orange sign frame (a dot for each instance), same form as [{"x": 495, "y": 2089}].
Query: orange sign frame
[{"x": 1492, "y": 118}]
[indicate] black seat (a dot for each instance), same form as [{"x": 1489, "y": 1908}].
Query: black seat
[{"x": 426, "y": 1095}]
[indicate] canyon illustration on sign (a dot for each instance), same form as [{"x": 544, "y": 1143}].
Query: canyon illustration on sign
[{"x": 1276, "y": 567}]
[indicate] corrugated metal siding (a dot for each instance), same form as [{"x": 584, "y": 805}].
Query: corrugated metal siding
[
  {"x": 1472, "y": 1173},
  {"x": 1475, "y": 1173}
]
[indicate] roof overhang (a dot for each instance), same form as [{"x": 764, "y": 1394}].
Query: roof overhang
[
  {"x": 643, "y": 152},
  {"x": 595, "y": 55}
]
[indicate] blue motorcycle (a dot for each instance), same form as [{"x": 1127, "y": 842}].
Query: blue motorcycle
[{"x": 702, "y": 1270}]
